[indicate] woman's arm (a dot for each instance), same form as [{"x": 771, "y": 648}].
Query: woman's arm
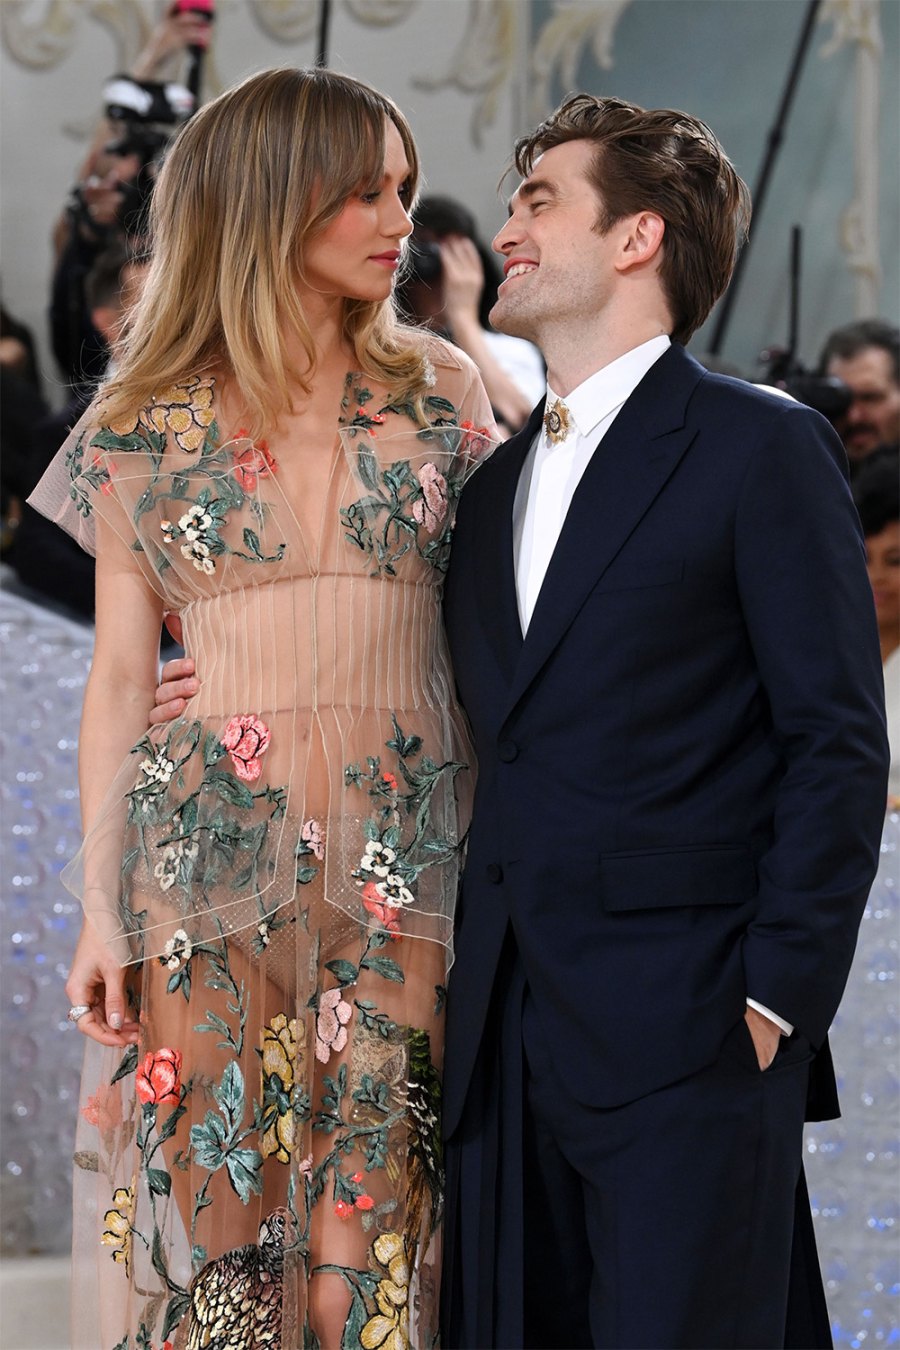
[{"x": 119, "y": 691}]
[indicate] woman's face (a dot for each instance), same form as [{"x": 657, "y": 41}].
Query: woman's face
[
  {"x": 883, "y": 562},
  {"x": 357, "y": 255}
]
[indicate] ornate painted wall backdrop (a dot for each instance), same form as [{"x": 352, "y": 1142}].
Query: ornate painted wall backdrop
[{"x": 473, "y": 73}]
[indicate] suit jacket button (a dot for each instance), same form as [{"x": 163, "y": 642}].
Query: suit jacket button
[
  {"x": 494, "y": 872},
  {"x": 508, "y": 751}
]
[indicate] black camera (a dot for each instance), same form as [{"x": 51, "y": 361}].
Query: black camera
[
  {"x": 824, "y": 393},
  {"x": 145, "y": 114}
]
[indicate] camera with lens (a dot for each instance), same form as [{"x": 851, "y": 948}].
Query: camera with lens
[
  {"x": 145, "y": 115},
  {"x": 824, "y": 393}
]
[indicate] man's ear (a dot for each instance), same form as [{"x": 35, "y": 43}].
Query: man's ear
[{"x": 642, "y": 240}]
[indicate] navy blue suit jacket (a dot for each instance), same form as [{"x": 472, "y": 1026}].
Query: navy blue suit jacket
[{"x": 682, "y": 768}]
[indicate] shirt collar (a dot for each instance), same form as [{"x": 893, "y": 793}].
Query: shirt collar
[{"x": 608, "y": 388}]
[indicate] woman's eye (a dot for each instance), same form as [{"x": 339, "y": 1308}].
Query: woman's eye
[
  {"x": 369, "y": 197},
  {"x": 404, "y": 192}
]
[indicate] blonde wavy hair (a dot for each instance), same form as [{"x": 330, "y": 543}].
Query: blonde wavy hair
[{"x": 248, "y": 180}]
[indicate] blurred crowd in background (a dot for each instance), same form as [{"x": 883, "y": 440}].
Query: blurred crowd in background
[{"x": 450, "y": 283}]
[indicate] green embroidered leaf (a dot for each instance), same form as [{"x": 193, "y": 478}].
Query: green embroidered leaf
[
  {"x": 440, "y": 1000},
  {"x": 345, "y": 972},
  {"x": 127, "y": 1065},
  {"x": 306, "y": 874},
  {"x": 213, "y": 750},
  {"x": 230, "y": 1093},
  {"x": 383, "y": 965},
  {"x": 159, "y": 1181},
  {"x": 244, "y": 1172},
  {"x": 198, "y": 1256},
  {"x": 178, "y": 1306},
  {"x": 367, "y": 467},
  {"x": 208, "y": 1142},
  {"x": 231, "y": 791}
]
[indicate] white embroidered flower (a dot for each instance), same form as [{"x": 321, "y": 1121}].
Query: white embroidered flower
[
  {"x": 158, "y": 770},
  {"x": 429, "y": 378},
  {"x": 198, "y": 553},
  {"x": 195, "y": 523},
  {"x": 263, "y": 930},
  {"x": 177, "y": 951},
  {"x": 377, "y": 858},
  {"x": 168, "y": 531},
  {"x": 394, "y": 893},
  {"x": 166, "y": 870}
]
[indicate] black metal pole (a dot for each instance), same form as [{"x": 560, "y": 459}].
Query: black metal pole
[
  {"x": 776, "y": 135},
  {"x": 324, "y": 25}
]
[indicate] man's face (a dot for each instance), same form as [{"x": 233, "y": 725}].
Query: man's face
[
  {"x": 557, "y": 266},
  {"x": 873, "y": 417}
]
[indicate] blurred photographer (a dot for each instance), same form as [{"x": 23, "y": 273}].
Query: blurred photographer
[
  {"x": 866, "y": 356},
  {"x": 109, "y": 200},
  {"x": 451, "y": 286}
]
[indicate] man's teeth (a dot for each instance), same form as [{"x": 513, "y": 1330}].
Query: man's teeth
[{"x": 519, "y": 269}]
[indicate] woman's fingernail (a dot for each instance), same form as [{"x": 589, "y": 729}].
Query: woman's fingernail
[{"x": 115, "y": 1021}]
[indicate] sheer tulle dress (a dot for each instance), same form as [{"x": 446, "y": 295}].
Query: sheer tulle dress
[{"x": 279, "y": 868}]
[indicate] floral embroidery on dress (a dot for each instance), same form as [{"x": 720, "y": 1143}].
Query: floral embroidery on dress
[
  {"x": 404, "y": 499},
  {"x": 246, "y": 738},
  {"x": 118, "y": 1232},
  {"x": 252, "y": 463},
  {"x": 388, "y": 1328},
  {"x": 158, "y": 1079},
  {"x": 282, "y": 1058},
  {"x": 184, "y": 410}
]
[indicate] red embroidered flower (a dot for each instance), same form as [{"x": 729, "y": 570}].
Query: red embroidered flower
[
  {"x": 246, "y": 738},
  {"x": 357, "y": 1177},
  {"x": 387, "y": 915},
  {"x": 476, "y": 440},
  {"x": 364, "y": 1202},
  {"x": 159, "y": 1077},
  {"x": 390, "y": 781},
  {"x": 252, "y": 463},
  {"x": 343, "y": 1210}
]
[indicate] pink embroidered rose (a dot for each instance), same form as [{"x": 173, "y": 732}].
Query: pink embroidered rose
[
  {"x": 385, "y": 914},
  {"x": 331, "y": 1024},
  {"x": 252, "y": 463},
  {"x": 246, "y": 738},
  {"x": 159, "y": 1077},
  {"x": 431, "y": 508},
  {"x": 313, "y": 837}
]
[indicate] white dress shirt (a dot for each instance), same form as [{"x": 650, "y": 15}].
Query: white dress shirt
[{"x": 551, "y": 473}]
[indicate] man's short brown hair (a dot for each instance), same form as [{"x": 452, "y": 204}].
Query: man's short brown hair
[{"x": 664, "y": 161}]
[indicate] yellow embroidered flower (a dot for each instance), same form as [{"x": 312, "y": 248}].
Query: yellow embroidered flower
[
  {"x": 281, "y": 1053},
  {"x": 184, "y": 410},
  {"x": 388, "y": 1329},
  {"x": 119, "y": 1226}
]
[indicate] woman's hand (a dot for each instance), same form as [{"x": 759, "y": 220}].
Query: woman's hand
[
  {"x": 97, "y": 980},
  {"x": 178, "y": 685}
]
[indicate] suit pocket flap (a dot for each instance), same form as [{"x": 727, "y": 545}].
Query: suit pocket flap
[
  {"x": 665, "y": 878},
  {"x": 630, "y": 576}
]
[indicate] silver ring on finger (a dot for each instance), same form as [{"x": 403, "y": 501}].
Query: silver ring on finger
[{"x": 76, "y": 1011}]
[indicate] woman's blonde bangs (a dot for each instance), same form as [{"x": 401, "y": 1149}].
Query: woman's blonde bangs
[{"x": 246, "y": 183}]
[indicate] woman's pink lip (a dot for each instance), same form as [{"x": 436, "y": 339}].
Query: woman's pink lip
[{"x": 389, "y": 259}]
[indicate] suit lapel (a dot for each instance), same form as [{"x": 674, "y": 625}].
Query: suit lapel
[
  {"x": 625, "y": 475},
  {"x": 497, "y": 604}
]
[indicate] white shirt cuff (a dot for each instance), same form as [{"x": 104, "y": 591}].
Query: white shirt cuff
[{"x": 784, "y": 1027}]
